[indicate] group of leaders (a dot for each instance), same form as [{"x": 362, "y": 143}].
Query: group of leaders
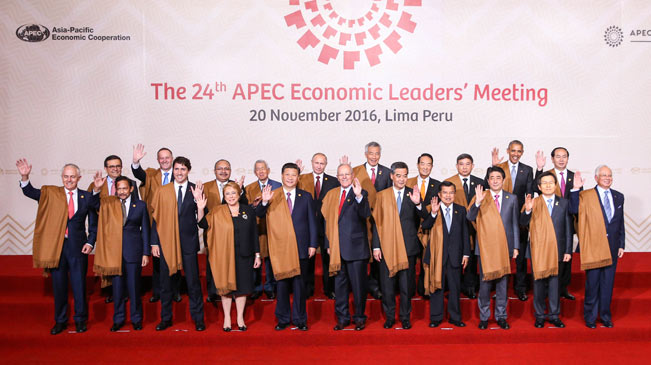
[{"x": 371, "y": 223}]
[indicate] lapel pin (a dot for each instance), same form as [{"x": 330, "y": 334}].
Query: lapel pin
[
  {"x": 472, "y": 183},
  {"x": 507, "y": 197},
  {"x": 81, "y": 196},
  {"x": 134, "y": 205},
  {"x": 556, "y": 203},
  {"x": 348, "y": 200},
  {"x": 380, "y": 172},
  {"x": 569, "y": 179},
  {"x": 244, "y": 216},
  {"x": 325, "y": 178},
  {"x": 455, "y": 212},
  {"x": 299, "y": 194}
]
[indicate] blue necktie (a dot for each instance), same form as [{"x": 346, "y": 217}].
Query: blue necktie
[
  {"x": 607, "y": 207},
  {"x": 448, "y": 218},
  {"x": 399, "y": 202},
  {"x": 166, "y": 179},
  {"x": 513, "y": 175},
  {"x": 180, "y": 199},
  {"x": 550, "y": 207}
]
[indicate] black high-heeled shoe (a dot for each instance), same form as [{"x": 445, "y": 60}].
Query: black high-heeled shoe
[
  {"x": 227, "y": 329},
  {"x": 242, "y": 328}
]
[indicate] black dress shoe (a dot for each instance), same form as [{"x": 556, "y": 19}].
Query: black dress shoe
[
  {"x": 310, "y": 293},
  {"x": 341, "y": 325},
  {"x": 200, "y": 325},
  {"x": 281, "y": 326},
  {"x": 591, "y": 325},
  {"x": 503, "y": 323},
  {"x": 522, "y": 296},
  {"x": 433, "y": 324},
  {"x": 270, "y": 294},
  {"x": 389, "y": 323},
  {"x": 58, "y": 328},
  {"x": 470, "y": 294},
  {"x": 302, "y": 326},
  {"x": 137, "y": 326},
  {"x": 108, "y": 299},
  {"x": 483, "y": 325},
  {"x": 154, "y": 299},
  {"x": 226, "y": 329},
  {"x": 607, "y": 324},
  {"x": 359, "y": 325},
  {"x": 163, "y": 325},
  {"x": 80, "y": 326},
  {"x": 557, "y": 323},
  {"x": 540, "y": 323},
  {"x": 177, "y": 298},
  {"x": 256, "y": 295},
  {"x": 212, "y": 298},
  {"x": 425, "y": 297},
  {"x": 406, "y": 324},
  {"x": 330, "y": 295},
  {"x": 116, "y": 326},
  {"x": 241, "y": 328},
  {"x": 567, "y": 296},
  {"x": 457, "y": 323},
  {"x": 377, "y": 294}
]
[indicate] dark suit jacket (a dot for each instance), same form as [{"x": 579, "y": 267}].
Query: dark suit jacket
[
  {"x": 569, "y": 183},
  {"x": 456, "y": 242},
  {"x": 135, "y": 233},
  {"x": 382, "y": 177},
  {"x": 510, "y": 213},
  {"x": 562, "y": 222},
  {"x": 432, "y": 190},
  {"x": 615, "y": 229},
  {"x": 188, "y": 229},
  {"x": 410, "y": 218},
  {"x": 247, "y": 232},
  {"x": 353, "y": 239},
  {"x": 329, "y": 182},
  {"x": 474, "y": 181},
  {"x": 523, "y": 183},
  {"x": 77, "y": 236}
]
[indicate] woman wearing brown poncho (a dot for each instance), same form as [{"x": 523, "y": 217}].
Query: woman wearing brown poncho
[{"x": 234, "y": 250}]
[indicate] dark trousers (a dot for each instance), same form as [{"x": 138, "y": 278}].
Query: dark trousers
[
  {"x": 128, "y": 282},
  {"x": 210, "y": 281},
  {"x": 599, "y": 292},
  {"x": 521, "y": 264},
  {"x": 328, "y": 281},
  {"x": 269, "y": 280},
  {"x": 191, "y": 270},
  {"x": 470, "y": 276},
  {"x": 155, "y": 279},
  {"x": 543, "y": 289},
  {"x": 387, "y": 284},
  {"x": 296, "y": 313},
  {"x": 451, "y": 280},
  {"x": 373, "y": 279},
  {"x": 75, "y": 265},
  {"x": 564, "y": 275},
  {"x": 484, "y": 297},
  {"x": 352, "y": 275}
]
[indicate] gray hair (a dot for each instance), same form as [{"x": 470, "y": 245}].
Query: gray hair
[
  {"x": 260, "y": 161},
  {"x": 71, "y": 165},
  {"x": 372, "y": 144},
  {"x": 345, "y": 164},
  {"x": 596, "y": 171}
]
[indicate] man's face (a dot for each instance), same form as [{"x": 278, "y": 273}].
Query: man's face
[
  {"x": 290, "y": 178},
  {"x": 495, "y": 181},
  {"x": 515, "y": 151},
  {"x": 261, "y": 171},
  {"x": 345, "y": 176},
  {"x": 604, "y": 177},
  {"x": 373, "y": 156},
  {"x": 425, "y": 166},
  {"x": 560, "y": 159},
  {"x": 547, "y": 185},
  {"x": 165, "y": 159},
  {"x": 319, "y": 163},
  {"x": 70, "y": 178},
  {"x": 180, "y": 173},
  {"x": 230, "y": 196},
  {"x": 446, "y": 194},
  {"x": 399, "y": 178},
  {"x": 113, "y": 168},
  {"x": 465, "y": 166},
  {"x": 223, "y": 171},
  {"x": 123, "y": 189}
]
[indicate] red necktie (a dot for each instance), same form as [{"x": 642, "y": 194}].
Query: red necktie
[
  {"x": 71, "y": 209},
  {"x": 317, "y": 187},
  {"x": 497, "y": 202},
  {"x": 113, "y": 188},
  {"x": 343, "y": 199},
  {"x": 373, "y": 175}
]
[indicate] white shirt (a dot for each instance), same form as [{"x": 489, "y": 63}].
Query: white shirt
[
  {"x": 109, "y": 183},
  {"x": 127, "y": 204},
  {"x": 500, "y": 193},
  {"x": 402, "y": 193},
  {"x": 162, "y": 173},
  {"x": 420, "y": 182},
  {"x": 558, "y": 175},
  {"x": 261, "y": 183},
  {"x": 220, "y": 186},
  {"x": 320, "y": 178},
  {"x": 292, "y": 195},
  {"x": 347, "y": 190},
  {"x": 369, "y": 172},
  {"x": 544, "y": 198},
  {"x": 601, "y": 192},
  {"x": 184, "y": 189}
]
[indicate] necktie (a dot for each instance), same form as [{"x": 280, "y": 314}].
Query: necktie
[
  {"x": 317, "y": 187},
  {"x": 422, "y": 190},
  {"x": 399, "y": 202},
  {"x": 465, "y": 187},
  {"x": 550, "y": 207},
  {"x": 343, "y": 199},
  {"x": 221, "y": 190},
  {"x": 373, "y": 175},
  {"x": 448, "y": 218},
  {"x": 514, "y": 173},
  {"x": 124, "y": 212},
  {"x": 263, "y": 186},
  {"x": 71, "y": 209},
  {"x": 179, "y": 199},
  {"x": 607, "y": 207},
  {"x": 562, "y": 184},
  {"x": 497, "y": 202},
  {"x": 289, "y": 202},
  {"x": 113, "y": 188},
  {"x": 166, "y": 179}
]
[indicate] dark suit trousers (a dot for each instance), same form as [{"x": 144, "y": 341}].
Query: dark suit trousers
[
  {"x": 269, "y": 280},
  {"x": 298, "y": 308},
  {"x": 77, "y": 266},
  {"x": 542, "y": 289},
  {"x": 352, "y": 275},
  {"x": 470, "y": 275},
  {"x": 155, "y": 278},
  {"x": 387, "y": 284},
  {"x": 129, "y": 282},
  {"x": 599, "y": 292},
  {"x": 191, "y": 270},
  {"x": 564, "y": 275},
  {"x": 452, "y": 277},
  {"x": 484, "y": 297},
  {"x": 521, "y": 266},
  {"x": 328, "y": 282},
  {"x": 210, "y": 281}
]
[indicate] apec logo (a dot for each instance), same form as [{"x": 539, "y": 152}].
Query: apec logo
[{"x": 32, "y": 33}]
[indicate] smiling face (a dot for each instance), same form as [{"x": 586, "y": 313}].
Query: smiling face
[
  {"x": 425, "y": 166},
  {"x": 604, "y": 177},
  {"x": 113, "y": 168},
  {"x": 290, "y": 178},
  {"x": 165, "y": 159},
  {"x": 373, "y": 156},
  {"x": 560, "y": 159},
  {"x": 446, "y": 194},
  {"x": 261, "y": 171},
  {"x": 223, "y": 171},
  {"x": 495, "y": 181},
  {"x": 231, "y": 196},
  {"x": 180, "y": 173},
  {"x": 123, "y": 189},
  {"x": 515, "y": 151},
  {"x": 399, "y": 178},
  {"x": 319, "y": 163},
  {"x": 345, "y": 175},
  {"x": 70, "y": 177}
]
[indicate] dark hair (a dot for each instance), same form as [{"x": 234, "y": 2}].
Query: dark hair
[
  {"x": 111, "y": 157},
  {"x": 494, "y": 169},
  {"x": 164, "y": 149},
  {"x": 515, "y": 141},
  {"x": 447, "y": 183},
  {"x": 218, "y": 161},
  {"x": 183, "y": 161},
  {"x": 546, "y": 173},
  {"x": 290, "y": 165},
  {"x": 398, "y": 165},
  {"x": 463, "y": 156},
  {"x": 123, "y": 178},
  {"x": 560, "y": 148},
  {"x": 425, "y": 155}
]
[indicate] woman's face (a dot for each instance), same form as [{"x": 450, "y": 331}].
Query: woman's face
[{"x": 231, "y": 196}]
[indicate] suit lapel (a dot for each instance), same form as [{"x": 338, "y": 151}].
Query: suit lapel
[{"x": 349, "y": 198}]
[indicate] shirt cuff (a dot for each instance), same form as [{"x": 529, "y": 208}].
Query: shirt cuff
[
  {"x": 23, "y": 183},
  {"x": 359, "y": 200},
  {"x": 135, "y": 166},
  {"x": 434, "y": 214},
  {"x": 376, "y": 249}
]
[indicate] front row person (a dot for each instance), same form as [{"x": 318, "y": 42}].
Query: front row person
[
  {"x": 233, "y": 247},
  {"x": 550, "y": 238},
  {"x": 122, "y": 248},
  {"x": 496, "y": 215},
  {"x": 446, "y": 255}
]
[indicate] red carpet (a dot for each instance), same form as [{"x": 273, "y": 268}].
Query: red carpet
[{"x": 26, "y": 312}]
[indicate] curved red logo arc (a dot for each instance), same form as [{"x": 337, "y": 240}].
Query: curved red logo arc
[{"x": 367, "y": 36}]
